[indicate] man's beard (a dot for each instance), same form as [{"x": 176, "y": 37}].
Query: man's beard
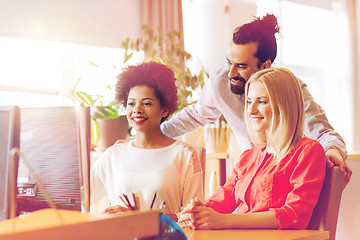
[{"x": 239, "y": 90}]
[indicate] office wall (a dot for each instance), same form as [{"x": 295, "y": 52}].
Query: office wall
[
  {"x": 208, "y": 38},
  {"x": 93, "y": 22}
]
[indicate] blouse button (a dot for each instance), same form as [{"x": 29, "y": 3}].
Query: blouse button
[{"x": 294, "y": 221}]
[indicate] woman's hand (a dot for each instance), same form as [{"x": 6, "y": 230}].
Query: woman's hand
[
  {"x": 116, "y": 209},
  {"x": 198, "y": 215},
  {"x": 208, "y": 218},
  {"x": 186, "y": 215}
]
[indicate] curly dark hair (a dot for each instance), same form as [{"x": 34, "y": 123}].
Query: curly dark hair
[
  {"x": 152, "y": 74},
  {"x": 262, "y": 31}
]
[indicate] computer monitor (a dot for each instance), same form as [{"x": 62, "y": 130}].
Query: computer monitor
[
  {"x": 55, "y": 142},
  {"x": 9, "y": 140}
]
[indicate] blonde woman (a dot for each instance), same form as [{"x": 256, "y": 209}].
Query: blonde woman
[{"x": 277, "y": 183}]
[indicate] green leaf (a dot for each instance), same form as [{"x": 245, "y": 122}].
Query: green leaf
[
  {"x": 95, "y": 131},
  {"x": 85, "y": 98},
  {"x": 125, "y": 44},
  {"x": 106, "y": 112},
  {"x": 127, "y": 56},
  {"x": 94, "y": 64}
]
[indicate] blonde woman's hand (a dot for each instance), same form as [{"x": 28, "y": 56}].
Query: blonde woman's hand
[
  {"x": 208, "y": 218},
  {"x": 186, "y": 216}
]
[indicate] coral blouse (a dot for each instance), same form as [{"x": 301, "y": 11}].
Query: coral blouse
[{"x": 290, "y": 188}]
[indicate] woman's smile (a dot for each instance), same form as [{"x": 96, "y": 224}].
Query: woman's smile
[{"x": 139, "y": 120}]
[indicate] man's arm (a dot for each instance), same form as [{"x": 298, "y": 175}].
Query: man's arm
[
  {"x": 317, "y": 126},
  {"x": 195, "y": 115},
  {"x": 189, "y": 119}
]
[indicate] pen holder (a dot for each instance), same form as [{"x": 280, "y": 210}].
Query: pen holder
[{"x": 169, "y": 230}]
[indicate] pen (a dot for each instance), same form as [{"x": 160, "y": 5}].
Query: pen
[
  {"x": 162, "y": 206},
  {"x": 152, "y": 203}
]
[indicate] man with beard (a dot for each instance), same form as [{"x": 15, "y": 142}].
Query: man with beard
[{"x": 252, "y": 48}]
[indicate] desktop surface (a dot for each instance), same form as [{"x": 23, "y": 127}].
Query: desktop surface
[
  {"x": 256, "y": 234},
  {"x": 73, "y": 225}
]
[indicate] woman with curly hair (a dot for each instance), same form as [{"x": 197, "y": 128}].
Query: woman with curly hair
[{"x": 151, "y": 164}]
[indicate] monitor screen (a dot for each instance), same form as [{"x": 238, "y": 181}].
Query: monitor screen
[
  {"x": 55, "y": 158},
  {"x": 9, "y": 139}
]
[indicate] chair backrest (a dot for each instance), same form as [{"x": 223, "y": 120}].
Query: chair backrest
[
  {"x": 201, "y": 151},
  {"x": 325, "y": 214}
]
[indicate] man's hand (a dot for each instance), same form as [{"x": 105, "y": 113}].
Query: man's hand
[{"x": 333, "y": 158}]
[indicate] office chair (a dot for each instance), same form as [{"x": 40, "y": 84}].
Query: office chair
[
  {"x": 201, "y": 151},
  {"x": 326, "y": 211}
]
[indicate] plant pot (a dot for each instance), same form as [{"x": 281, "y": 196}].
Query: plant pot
[{"x": 112, "y": 130}]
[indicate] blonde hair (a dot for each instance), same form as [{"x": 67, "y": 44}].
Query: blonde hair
[{"x": 287, "y": 104}]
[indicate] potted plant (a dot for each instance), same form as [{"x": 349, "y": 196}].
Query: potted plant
[
  {"x": 153, "y": 46},
  {"x": 172, "y": 54},
  {"x": 107, "y": 124}
]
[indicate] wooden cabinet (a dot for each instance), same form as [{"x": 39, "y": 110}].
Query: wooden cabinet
[
  {"x": 215, "y": 172},
  {"x": 218, "y": 168}
]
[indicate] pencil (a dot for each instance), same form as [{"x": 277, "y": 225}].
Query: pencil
[
  {"x": 135, "y": 202},
  {"x": 153, "y": 201},
  {"x": 126, "y": 204},
  {"x": 127, "y": 200}
]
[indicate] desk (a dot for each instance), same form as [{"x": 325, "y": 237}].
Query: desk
[
  {"x": 253, "y": 234},
  {"x": 73, "y": 225}
]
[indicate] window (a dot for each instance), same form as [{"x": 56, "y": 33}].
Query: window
[
  {"x": 314, "y": 44},
  {"x": 39, "y": 73}
]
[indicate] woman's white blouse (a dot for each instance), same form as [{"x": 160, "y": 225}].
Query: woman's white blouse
[{"x": 174, "y": 172}]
